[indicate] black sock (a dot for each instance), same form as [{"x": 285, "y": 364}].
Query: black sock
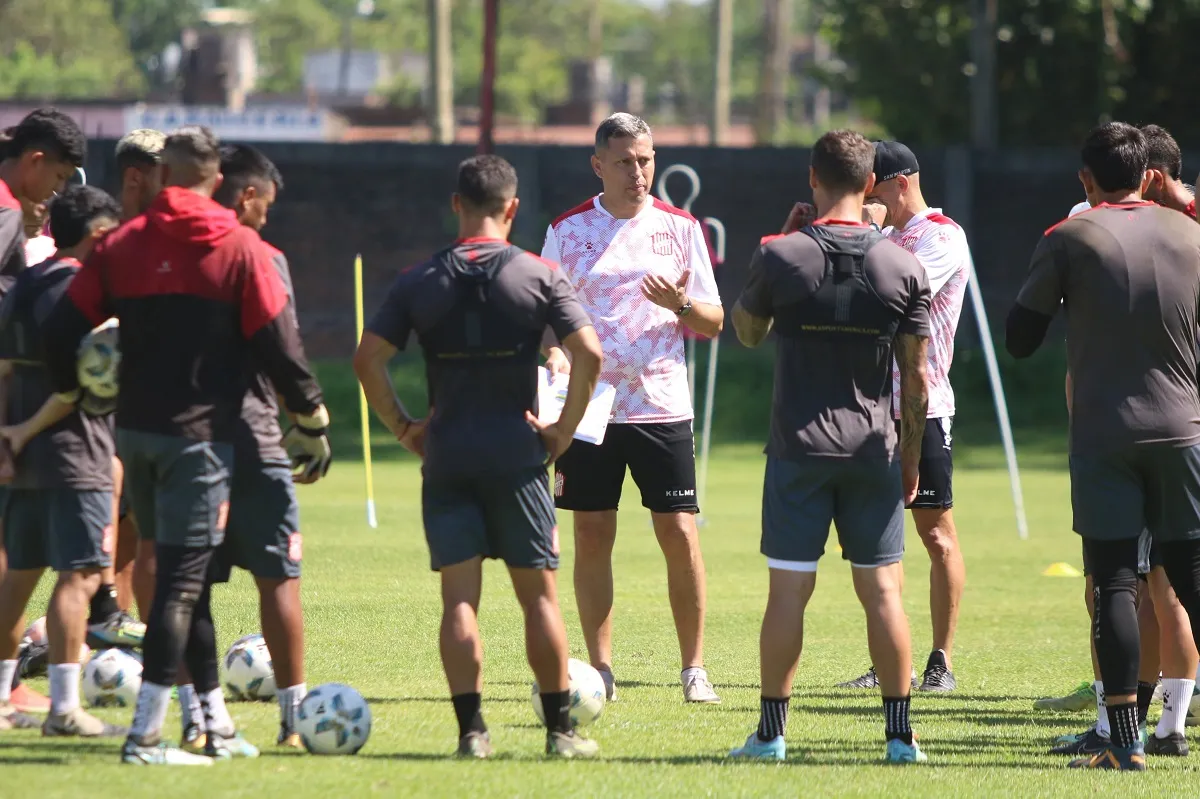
[
  {"x": 1145, "y": 694},
  {"x": 104, "y": 604},
  {"x": 557, "y": 708},
  {"x": 466, "y": 709},
  {"x": 1123, "y": 720},
  {"x": 895, "y": 718},
  {"x": 773, "y": 719}
]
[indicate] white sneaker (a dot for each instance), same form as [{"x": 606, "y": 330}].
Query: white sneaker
[{"x": 697, "y": 688}]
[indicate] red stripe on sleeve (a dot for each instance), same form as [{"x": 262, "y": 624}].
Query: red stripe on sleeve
[
  {"x": 86, "y": 291},
  {"x": 263, "y": 294}
]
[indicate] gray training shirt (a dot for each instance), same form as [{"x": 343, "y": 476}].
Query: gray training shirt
[
  {"x": 1129, "y": 278},
  {"x": 839, "y": 294}
]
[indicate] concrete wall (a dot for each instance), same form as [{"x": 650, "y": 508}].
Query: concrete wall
[{"x": 390, "y": 202}]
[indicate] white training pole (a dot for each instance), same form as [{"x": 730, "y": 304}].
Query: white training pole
[
  {"x": 989, "y": 353},
  {"x": 710, "y": 383},
  {"x": 686, "y": 205}
]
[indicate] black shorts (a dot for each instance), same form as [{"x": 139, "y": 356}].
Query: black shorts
[
  {"x": 936, "y": 488},
  {"x": 510, "y": 517},
  {"x": 1119, "y": 495},
  {"x": 661, "y": 458},
  {"x": 1149, "y": 556},
  {"x": 65, "y": 529},
  {"x": 263, "y": 533}
]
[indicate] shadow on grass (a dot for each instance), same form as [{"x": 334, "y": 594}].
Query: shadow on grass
[{"x": 400, "y": 700}]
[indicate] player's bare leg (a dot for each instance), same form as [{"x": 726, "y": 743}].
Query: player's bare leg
[
  {"x": 1148, "y": 637},
  {"x": 546, "y": 648},
  {"x": 144, "y": 572},
  {"x": 679, "y": 539},
  {"x": 595, "y": 536},
  {"x": 66, "y": 629},
  {"x": 780, "y": 642},
  {"x": 125, "y": 554},
  {"x": 16, "y": 588},
  {"x": 283, "y": 630},
  {"x": 947, "y": 577},
  {"x": 108, "y": 624},
  {"x": 1179, "y": 660},
  {"x": 890, "y": 643},
  {"x": 462, "y": 652}
]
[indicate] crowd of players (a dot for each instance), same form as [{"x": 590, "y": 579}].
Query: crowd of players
[{"x": 863, "y": 289}]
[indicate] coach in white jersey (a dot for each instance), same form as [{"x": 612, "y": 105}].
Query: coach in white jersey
[
  {"x": 642, "y": 271},
  {"x": 941, "y": 247}
]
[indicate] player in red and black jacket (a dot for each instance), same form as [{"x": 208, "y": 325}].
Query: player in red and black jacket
[{"x": 197, "y": 298}]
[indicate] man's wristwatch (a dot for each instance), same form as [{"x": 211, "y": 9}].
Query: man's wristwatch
[{"x": 685, "y": 310}]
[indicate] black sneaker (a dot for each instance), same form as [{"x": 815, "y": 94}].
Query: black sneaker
[
  {"x": 870, "y": 680},
  {"x": 1174, "y": 745},
  {"x": 476, "y": 745},
  {"x": 33, "y": 661},
  {"x": 938, "y": 679},
  {"x": 1087, "y": 743}
]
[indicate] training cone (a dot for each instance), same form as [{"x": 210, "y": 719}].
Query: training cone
[{"x": 1061, "y": 570}]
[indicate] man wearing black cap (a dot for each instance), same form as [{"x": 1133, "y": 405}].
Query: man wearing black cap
[{"x": 897, "y": 204}]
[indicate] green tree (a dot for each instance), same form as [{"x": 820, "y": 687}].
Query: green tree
[
  {"x": 151, "y": 25},
  {"x": 63, "y": 49}
]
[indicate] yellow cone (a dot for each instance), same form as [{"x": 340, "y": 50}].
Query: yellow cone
[{"x": 1061, "y": 570}]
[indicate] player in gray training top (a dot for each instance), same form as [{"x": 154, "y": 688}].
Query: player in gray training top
[
  {"x": 479, "y": 309},
  {"x": 1128, "y": 274},
  {"x": 842, "y": 299}
]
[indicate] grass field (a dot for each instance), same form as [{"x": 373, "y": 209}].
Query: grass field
[{"x": 372, "y": 615}]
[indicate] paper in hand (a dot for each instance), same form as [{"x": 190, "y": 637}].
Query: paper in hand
[{"x": 552, "y": 393}]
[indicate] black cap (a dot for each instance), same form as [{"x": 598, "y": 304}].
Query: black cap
[{"x": 893, "y": 159}]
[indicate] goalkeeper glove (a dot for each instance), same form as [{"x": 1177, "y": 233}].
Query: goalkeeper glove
[{"x": 307, "y": 445}]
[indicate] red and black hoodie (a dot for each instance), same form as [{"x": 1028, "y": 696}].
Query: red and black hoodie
[
  {"x": 12, "y": 238},
  {"x": 197, "y": 298}
]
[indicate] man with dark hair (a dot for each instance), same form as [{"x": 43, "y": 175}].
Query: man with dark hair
[
  {"x": 196, "y": 297},
  {"x": 39, "y": 155},
  {"x": 841, "y": 298},
  {"x": 643, "y": 274},
  {"x": 479, "y": 309},
  {"x": 263, "y": 535},
  {"x": 1128, "y": 274},
  {"x": 59, "y": 511},
  {"x": 1165, "y": 162}
]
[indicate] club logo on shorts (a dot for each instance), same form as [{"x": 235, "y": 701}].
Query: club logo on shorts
[
  {"x": 108, "y": 539},
  {"x": 558, "y": 484},
  {"x": 222, "y": 514},
  {"x": 675, "y": 493},
  {"x": 663, "y": 243},
  {"x": 947, "y": 438},
  {"x": 295, "y": 547},
  {"x": 554, "y": 540}
]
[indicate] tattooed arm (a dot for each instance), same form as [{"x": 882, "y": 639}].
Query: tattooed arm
[
  {"x": 751, "y": 329},
  {"x": 912, "y": 358}
]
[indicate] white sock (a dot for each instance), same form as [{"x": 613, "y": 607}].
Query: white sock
[
  {"x": 189, "y": 707},
  {"x": 216, "y": 715},
  {"x": 289, "y": 701},
  {"x": 64, "y": 687},
  {"x": 152, "y": 704},
  {"x": 8, "y": 670},
  {"x": 1101, "y": 711},
  {"x": 1177, "y": 700},
  {"x": 694, "y": 671}
]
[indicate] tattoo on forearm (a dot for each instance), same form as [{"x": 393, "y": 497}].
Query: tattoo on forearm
[{"x": 912, "y": 358}]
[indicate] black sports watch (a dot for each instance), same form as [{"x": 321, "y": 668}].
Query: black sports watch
[{"x": 685, "y": 310}]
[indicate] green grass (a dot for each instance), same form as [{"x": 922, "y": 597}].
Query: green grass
[{"x": 372, "y": 614}]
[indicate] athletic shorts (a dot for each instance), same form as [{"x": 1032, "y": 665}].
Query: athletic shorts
[
  {"x": 263, "y": 534},
  {"x": 178, "y": 488},
  {"x": 661, "y": 458},
  {"x": 509, "y": 517},
  {"x": 65, "y": 529},
  {"x": 936, "y": 489},
  {"x": 1117, "y": 495},
  {"x": 863, "y": 499}
]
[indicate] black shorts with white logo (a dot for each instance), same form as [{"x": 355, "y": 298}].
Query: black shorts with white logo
[
  {"x": 661, "y": 457},
  {"x": 936, "y": 488}
]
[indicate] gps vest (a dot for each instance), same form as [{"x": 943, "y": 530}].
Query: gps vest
[{"x": 25, "y": 304}]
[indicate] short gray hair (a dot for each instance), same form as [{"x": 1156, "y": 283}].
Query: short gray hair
[
  {"x": 621, "y": 126},
  {"x": 193, "y": 153}
]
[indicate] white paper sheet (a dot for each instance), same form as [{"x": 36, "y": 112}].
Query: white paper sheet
[{"x": 552, "y": 393}]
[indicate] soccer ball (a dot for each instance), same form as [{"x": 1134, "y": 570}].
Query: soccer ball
[
  {"x": 249, "y": 675},
  {"x": 112, "y": 679},
  {"x": 586, "y": 689},
  {"x": 333, "y": 719},
  {"x": 97, "y": 362},
  {"x": 35, "y": 633}
]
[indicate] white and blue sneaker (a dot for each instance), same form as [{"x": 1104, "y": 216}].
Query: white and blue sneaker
[
  {"x": 756, "y": 749},
  {"x": 135, "y": 753},
  {"x": 900, "y": 752}
]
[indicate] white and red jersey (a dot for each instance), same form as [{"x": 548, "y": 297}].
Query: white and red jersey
[
  {"x": 941, "y": 247},
  {"x": 606, "y": 259},
  {"x": 39, "y": 249}
]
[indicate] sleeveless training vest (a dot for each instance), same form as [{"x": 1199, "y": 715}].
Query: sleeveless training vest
[{"x": 24, "y": 304}]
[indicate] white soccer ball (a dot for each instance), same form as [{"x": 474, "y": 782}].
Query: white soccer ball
[
  {"x": 112, "y": 678},
  {"x": 35, "y": 633},
  {"x": 97, "y": 363},
  {"x": 586, "y": 688},
  {"x": 333, "y": 719},
  {"x": 249, "y": 674}
]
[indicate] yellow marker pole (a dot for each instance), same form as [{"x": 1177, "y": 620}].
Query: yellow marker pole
[{"x": 364, "y": 411}]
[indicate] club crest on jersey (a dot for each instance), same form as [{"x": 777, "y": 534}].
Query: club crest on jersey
[{"x": 663, "y": 243}]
